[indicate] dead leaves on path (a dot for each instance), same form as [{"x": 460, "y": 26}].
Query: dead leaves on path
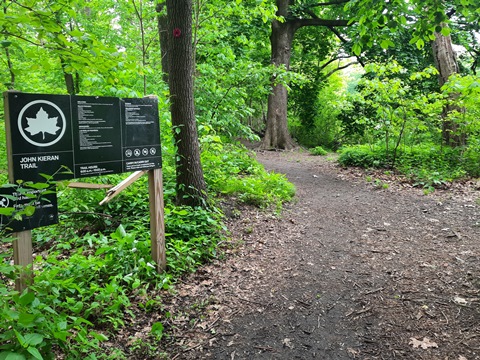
[{"x": 424, "y": 344}]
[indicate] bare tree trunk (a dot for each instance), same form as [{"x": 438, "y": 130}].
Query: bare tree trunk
[
  {"x": 277, "y": 135},
  {"x": 191, "y": 187},
  {"x": 11, "y": 84},
  {"x": 139, "y": 13},
  {"x": 69, "y": 80},
  {"x": 163, "y": 36},
  {"x": 446, "y": 64}
]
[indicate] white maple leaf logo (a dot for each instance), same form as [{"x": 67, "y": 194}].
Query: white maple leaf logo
[{"x": 42, "y": 124}]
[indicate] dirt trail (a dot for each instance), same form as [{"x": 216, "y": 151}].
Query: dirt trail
[{"x": 348, "y": 271}]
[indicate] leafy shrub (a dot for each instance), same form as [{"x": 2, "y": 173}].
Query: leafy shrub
[
  {"x": 233, "y": 170},
  {"x": 263, "y": 190},
  {"x": 318, "y": 150},
  {"x": 32, "y": 325},
  {"x": 431, "y": 165},
  {"x": 363, "y": 156},
  {"x": 428, "y": 165},
  {"x": 192, "y": 237},
  {"x": 471, "y": 158}
]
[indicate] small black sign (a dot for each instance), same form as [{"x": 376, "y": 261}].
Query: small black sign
[
  {"x": 78, "y": 136},
  {"x": 141, "y": 144},
  {"x": 97, "y": 132},
  {"x": 42, "y": 202}
]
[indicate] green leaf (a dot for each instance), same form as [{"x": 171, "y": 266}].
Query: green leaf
[
  {"x": 77, "y": 307},
  {"x": 7, "y": 355},
  {"x": 136, "y": 284},
  {"x": 420, "y": 44},
  {"x": 7, "y": 211},
  {"x": 445, "y": 31},
  {"x": 26, "y": 319},
  {"x": 76, "y": 33},
  {"x": 33, "y": 339},
  {"x": 36, "y": 354},
  {"x": 26, "y": 298},
  {"x": 357, "y": 49},
  {"x": 157, "y": 329},
  {"x": 13, "y": 315},
  {"x": 98, "y": 336},
  {"x": 5, "y": 43},
  {"x": 121, "y": 231},
  {"x": 20, "y": 338},
  {"x": 29, "y": 210},
  {"x": 61, "y": 335},
  {"x": 38, "y": 185}
]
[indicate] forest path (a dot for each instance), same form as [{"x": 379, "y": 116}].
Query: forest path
[{"x": 348, "y": 271}]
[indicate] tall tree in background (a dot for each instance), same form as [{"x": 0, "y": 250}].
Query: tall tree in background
[
  {"x": 447, "y": 65},
  {"x": 191, "y": 187},
  {"x": 372, "y": 24},
  {"x": 283, "y": 32},
  {"x": 162, "y": 25}
]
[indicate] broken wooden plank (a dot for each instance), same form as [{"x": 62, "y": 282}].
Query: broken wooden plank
[{"x": 117, "y": 189}]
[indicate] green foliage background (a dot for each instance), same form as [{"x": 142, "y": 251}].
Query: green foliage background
[{"x": 92, "y": 268}]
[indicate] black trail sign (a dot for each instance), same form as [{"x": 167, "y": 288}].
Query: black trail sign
[{"x": 78, "y": 136}]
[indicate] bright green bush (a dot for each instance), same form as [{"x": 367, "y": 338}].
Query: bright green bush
[
  {"x": 233, "y": 170},
  {"x": 427, "y": 165},
  {"x": 33, "y": 324},
  {"x": 267, "y": 189},
  {"x": 363, "y": 156},
  {"x": 318, "y": 150},
  {"x": 431, "y": 163},
  {"x": 471, "y": 158}
]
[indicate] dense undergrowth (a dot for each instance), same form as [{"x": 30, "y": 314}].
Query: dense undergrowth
[
  {"x": 426, "y": 165},
  {"x": 90, "y": 267}
]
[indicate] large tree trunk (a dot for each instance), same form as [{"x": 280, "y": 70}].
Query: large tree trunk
[
  {"x": 446, "y": 64},
  {"x": 276, "y": 133},
  {"x": 191, "y": 187}
]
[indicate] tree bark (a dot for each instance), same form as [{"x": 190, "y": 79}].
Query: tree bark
[
  {"x": 277, "y": 135},
  {"x": 191, "y": 187},
  {"x": 11, "y": 84},
  {"x": 70, "y": 83},
  {"x": 163, "y": 37},
  {"x": 447, "y": 65}
]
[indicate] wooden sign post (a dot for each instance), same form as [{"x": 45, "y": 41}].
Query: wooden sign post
[
  {"x": 22, "y": 256},
  {"x": 157, "y": 220}
]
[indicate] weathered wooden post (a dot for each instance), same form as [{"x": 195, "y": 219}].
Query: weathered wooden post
[
  {"x": 22, "y": 256},
  {"x": 157, "y": 220}
]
